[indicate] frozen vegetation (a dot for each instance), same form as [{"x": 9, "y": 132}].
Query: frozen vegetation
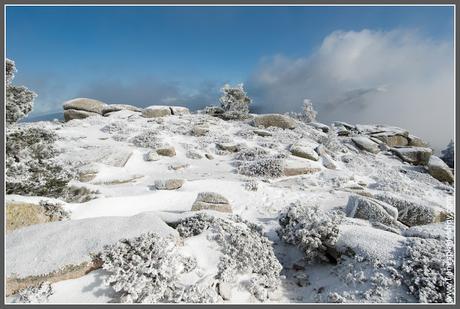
[{"x": 222, "y": 206}]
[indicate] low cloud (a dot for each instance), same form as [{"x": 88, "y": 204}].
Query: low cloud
[{"x": 396, "y": 77}]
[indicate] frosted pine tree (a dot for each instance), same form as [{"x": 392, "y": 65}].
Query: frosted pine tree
[
  {"x": 308, "y": 112},
  {"x": 19, "y": 99},
  {"x": 235, "y": 101}
]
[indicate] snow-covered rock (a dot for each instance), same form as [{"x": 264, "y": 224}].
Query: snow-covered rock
[
  {"x": 412, "y": 211},
  {"x": 166, "y": 151},
  {"x": 372, "y": 210},
  {"x": 119, "y": 107},
  {"x": 70, "y": 114},
  {"x": 274, "y": 120},
  {"x": 212, "y": 201},
  {"x": 365, "y": 143},
  {"x": 439, "y": 169},
  {"x": 414, "y": 155},
  {"x": 304, "y": 151},
  {"x": 391, "y": 139},
  {"x": 179, "y": 110},
  {"x": 156, "y": 111},
  {"x": 85, "y": 104},
  {"x": 152, "y": 155},
  {"x": 199, "y": 130},
  {"x": 55, "y": 245},
  {"x": 168, "y": 184}
]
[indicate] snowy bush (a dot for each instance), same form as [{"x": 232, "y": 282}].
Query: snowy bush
[
  {"x": 145, "y": 269},
  {"x": 31, "y": 165},
  {"x": 36, "y": 294},
  {"x": 332, "y": 141},
  {"x": 54, "y": 210},
  {"x": 19, "y": 99},
  {"x": 251, "y": 185},
  {"x": 116, "y": 127},
  {"x": 308, "y": 113},
  {"x": 245, "y": 251},
  {"x": 428, "y": 269},
  {"x": 448, "y": 154},
  {"x": 147, "y": 139},
  {"x": 235, "y": 101},
  {"x": 270, "y": 167},
  {"x": 250, "y": 154},
  {"x": 309, "y": 228}
]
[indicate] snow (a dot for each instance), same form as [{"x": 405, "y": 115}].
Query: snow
[{"x": 127, "y": 203}]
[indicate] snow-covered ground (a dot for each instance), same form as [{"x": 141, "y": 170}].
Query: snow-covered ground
[{"x": 124, "y": 182}]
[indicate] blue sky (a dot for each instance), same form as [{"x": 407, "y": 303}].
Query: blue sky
[{"x": 152, "y": 55}]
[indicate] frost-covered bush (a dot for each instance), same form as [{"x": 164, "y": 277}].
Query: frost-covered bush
[
  {"x": 250, "y": 154},
  {"x": 31, "y": 165},
  {"x": 251, "y": 185},
  {"x": 308, "y": 112},
  {"x": 54, "y": 210},
  {"x": 270, "y": 167},
  {"x": 145, "y": 269},
  {"x": 147, "y": 139},
  {"x": 245, "y": 251},
  {"x": 235, "y": 101},
  {"x": 428, "y": 269},
  {"x": 19, "y": 99},
  {"x": 332, "y": 141},
  {"x": 36, "y": 294},
  {"x": 116, "y": 127},
  {"x": 309, "y": 228},
  {"x": 448, "y": 154}
]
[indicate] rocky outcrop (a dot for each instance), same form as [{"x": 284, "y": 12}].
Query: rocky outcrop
[
  {"x": 412, "y": 212},
  {"x": 179, "y": 110},
  {"x": 152, "y": 155},
  {"x": 230, "y": 147},
  {"x": 193, "y": 154},
  {"x": 366, "y": 144},
  {"x": 439, "y": 170},
  {"x": 199, "y": 130},
  {"x": 211, "y": 201},
  {"x": 119, "y": 107},
  {"x": 85, "y": 104},
  {"x": 274, "y": 120},
  {"x": 413, "y": 155},
  {"x": 20, "y": 215}
]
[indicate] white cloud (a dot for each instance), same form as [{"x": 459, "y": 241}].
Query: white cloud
[{"x": 396, "y": 77}]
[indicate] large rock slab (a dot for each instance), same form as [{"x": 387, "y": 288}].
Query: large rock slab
[
  {"x": 155, "y": 111},
  {"x": 413, "y": 212},
  {"x": 46, "y": 248},
  {"x": 414, "y": 155},
  {"x": 120, "y": 107},
  {"x": 85, "y": 104},
  {"x": 19, "y": 215},
  {"x": 274, "y": 120},
  {"x": 440, "y": 170},
  {"x": 211, "y": 201},
  {"x": 372, "y": 210},
  {"x": 70, "y": 114},
  {"x": 304, "y": 151},
  {"x": 392, "y": 140},
  {"x": 366, "y": 144}
]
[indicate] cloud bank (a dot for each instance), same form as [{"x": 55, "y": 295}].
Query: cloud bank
[{"x": 396, "y": 77}]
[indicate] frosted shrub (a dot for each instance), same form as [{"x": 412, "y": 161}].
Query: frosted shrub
[
  {"x": 309, "y": 228},
  {"x": 116, "y": 127},
  {"x": 145, "y": 269},
  {"x": 147, "y": 139},
  {"x": 251, "y": 185},
  {"x": 250, "y": 154},
  {"x": 19, "y": 99},
  {"x": 235, "y": 101},
  {"x": 55, "y": 211},
  {"x": 36, "y": 294},
  {"x": 308, "y": 113},
  {"x": 31, "y": 165},
  {"x": 270, "y": 167},
  {"x": 245, "y": 251},
  {"x": 448, "y": 154},
  {"x": 332, "y": 141},
  {"x": 428, "y": 269}
]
